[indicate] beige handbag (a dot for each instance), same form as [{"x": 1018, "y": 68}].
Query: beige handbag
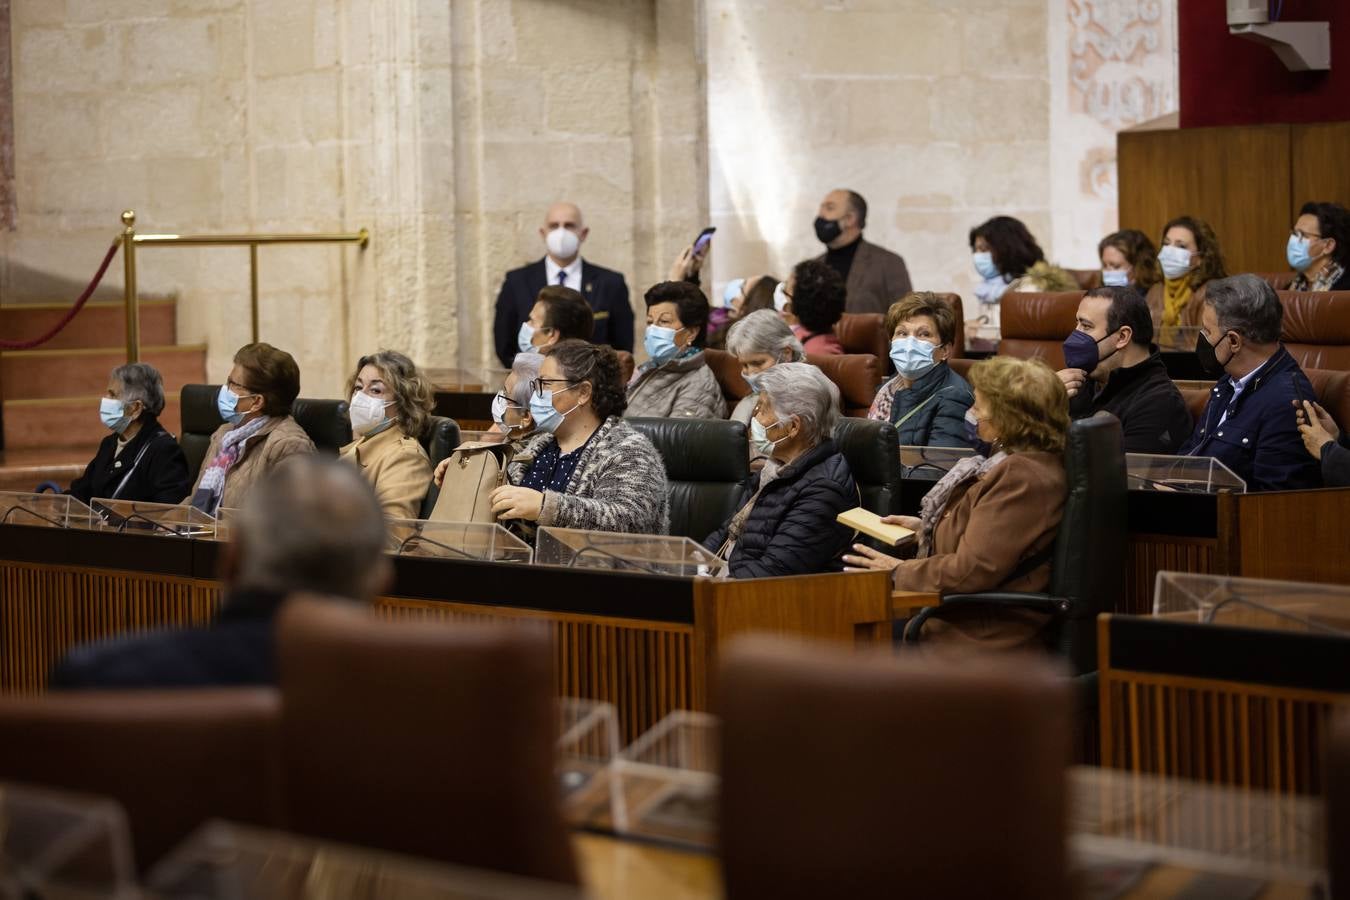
[{"x": 475, "y": 471}]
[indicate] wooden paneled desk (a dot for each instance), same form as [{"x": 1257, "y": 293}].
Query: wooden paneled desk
[{"x": 648, "y": 644}]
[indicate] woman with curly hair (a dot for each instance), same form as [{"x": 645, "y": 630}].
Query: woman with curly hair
[
  {"x": 1006, "y": 255},
  {"x": 584, "y": 467},
  {"x": 816, "y": 296},
  {"x": 389, "y": 410},
  {"x": 1190, "y": 258},
  {"x": 990, "y": 523},
  {"x": 1129, "y": 259}
]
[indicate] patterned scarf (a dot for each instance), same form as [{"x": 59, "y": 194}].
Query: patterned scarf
[
  {"x": 686, "y": 354},
  {"x": 934, "y": 502},
  {"x": 1176, "y": 294},
  {"x": 212, "y": 486}
]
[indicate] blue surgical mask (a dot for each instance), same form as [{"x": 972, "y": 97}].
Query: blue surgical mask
[
  {"x": 752, "y": 380},
  {"x": 982, "y": 447},
  {"x": 984, "y": 264},
  {"x": 1297, "y": 253},
  {"x": 227, "y": 404},
  {"x": 546, "y": 418},
  {"x": 732, "y": 291},
  {"x": 1115, "y": 278},
  {"x": 912, "y": 357},
  {"x": 525, "y": 337},
  {"x": 759, "y": 437},
  {"x": 1175, "y": 261},
  {"x": 660, "y": 343},
  {"x": 113, "y": 413}
]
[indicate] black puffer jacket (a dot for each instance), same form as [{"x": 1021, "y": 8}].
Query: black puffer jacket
[{"x": 792, "y": 529}]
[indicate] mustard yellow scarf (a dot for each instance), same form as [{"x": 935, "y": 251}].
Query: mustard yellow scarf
[{"x": 1176, "y": 294}]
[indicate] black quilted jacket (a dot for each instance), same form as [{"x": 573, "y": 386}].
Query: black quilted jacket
[{"x": 792, "y": 528}]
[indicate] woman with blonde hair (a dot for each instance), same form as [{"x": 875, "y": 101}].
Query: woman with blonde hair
[
  {"x": 990, "y": 523},
  {"x": 390, "y": 412}
]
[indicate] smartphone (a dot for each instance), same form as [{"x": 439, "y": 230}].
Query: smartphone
[
  {"x": 1302, "y": 398},
  {"x": 703, "y": 240}
]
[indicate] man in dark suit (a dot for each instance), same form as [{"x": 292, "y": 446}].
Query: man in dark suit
[
  {"x": 875, "y": 277},
  {"x": 1247, "y": 424},
  {"x": 312, "y": 526},
  {"x": 605, "y": 290}
]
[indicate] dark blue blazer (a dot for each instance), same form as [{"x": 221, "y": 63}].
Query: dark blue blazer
[
  {"x": 1259, "y": 440},
  {"x": 604, "y": 289}
]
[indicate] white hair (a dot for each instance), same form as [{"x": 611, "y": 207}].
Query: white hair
[
  {"x": 763, "y": 331},
  {"x": 526, "y": 369},
  {"x": 802, "y": 390}
]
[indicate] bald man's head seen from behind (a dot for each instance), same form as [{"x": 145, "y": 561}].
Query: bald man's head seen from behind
[{"x": 314, "y": 525}]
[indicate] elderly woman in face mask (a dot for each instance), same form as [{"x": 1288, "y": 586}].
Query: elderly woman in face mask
[
  {"x": 390, "y": 408},
  {"x": 139, "y": 460},
  {"x": 511, "y": 416},
  {"x": 787, "y": 524},
  {"x": 676, "y": 381}
]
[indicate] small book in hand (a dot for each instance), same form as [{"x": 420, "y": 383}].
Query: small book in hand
[{"x": 870, "y": 524}]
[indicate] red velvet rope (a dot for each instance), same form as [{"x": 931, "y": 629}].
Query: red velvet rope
[{"x": 74, "y": 310}]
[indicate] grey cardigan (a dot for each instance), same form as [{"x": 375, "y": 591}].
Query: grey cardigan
[
  {"x": 619, "y": 483},
  {"x": 682, "y": 388}
]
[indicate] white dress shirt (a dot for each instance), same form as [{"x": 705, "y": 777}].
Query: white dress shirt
[{"x": 573, "y": 272}]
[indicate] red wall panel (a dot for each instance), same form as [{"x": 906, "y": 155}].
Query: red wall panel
[{"x": 1227, "y": 80}]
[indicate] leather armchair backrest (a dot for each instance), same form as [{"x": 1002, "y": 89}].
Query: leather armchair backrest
[
  {"x": 627, "y": 365},
  {"x": 1034, "y": 325},
  {"x": 872, "y": 449},
  {"x": 1280, "y": 281},
  {"x": 959, "y": 342},
  {"x": 727, "y": 370},
  {"x": 425, "y": 737},
  {"x": 1317, "y": 328},
  {"x": 857, "y": 375},
  {"x": 863, "y": 333},
  {"x": 1331, "y": 389},
  {"x": 707, "y": 467},
  {"x": 326, "y": 423},
  {"x": 172, "y": 759},
  {"x": 1089, "y": 553},
  {"x": 890, "y": 791},
  {"x": 1087, "y": 278},
  {"x": 440, "y": 440},
  {"x": 200, "y": 418}
]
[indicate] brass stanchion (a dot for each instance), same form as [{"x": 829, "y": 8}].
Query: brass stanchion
[{"x": 130, "y": 299}]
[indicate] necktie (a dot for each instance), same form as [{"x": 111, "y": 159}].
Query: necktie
[{"x": 562, "y": 278}]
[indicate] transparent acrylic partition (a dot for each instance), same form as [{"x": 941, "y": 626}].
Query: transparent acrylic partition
[
  {"x": 163, "y": 519},
  {"x": 477, "y": 381},
  {"x": 1183, "y": 474},
  {"x": 456, "y": 540},
  {"x": 1252, "y": 603},
  {"x": 588, "y": 742},
  {"x": 223, "y": 861},
  {"x": 922, "y": 462},
  {"x": 56, "y": 844},
  {"x": 1177, "y": 337},
  {"x": 651, "y": 553},
  {"x": 225, "y": 518},
  {"x": 1117, "y": 818},
  {"x": 44, "y": 510},
  {"x": 667, "y": 781}
]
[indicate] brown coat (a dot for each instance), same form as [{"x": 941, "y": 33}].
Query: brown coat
[
  {"x": 876, "y": 279},
  {"x": 396, "y": 466},
  {"x": 1190, "y": 313},
  {"x": 990, "y": 526},
  {"x": 277, "y": 440}
]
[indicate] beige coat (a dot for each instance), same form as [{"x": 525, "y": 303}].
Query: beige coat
[
  {"x": 990, "y": 526},
  {"x": 396, "y": 466},
  {"x": 277, "y": 440},
  {"x": 876, "y": 279}
]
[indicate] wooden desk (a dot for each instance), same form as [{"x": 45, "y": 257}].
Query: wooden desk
[{"x": 648, "y": 644}]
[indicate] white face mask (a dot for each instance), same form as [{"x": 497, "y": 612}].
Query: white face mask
[
  {"x": 780, "y": 297},
  {"x": 1175, "y": 261},
  {"x": 563, "y": 244},
  {"x": 365, "y": 412}
]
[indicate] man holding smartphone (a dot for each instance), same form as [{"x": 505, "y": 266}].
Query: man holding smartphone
[{"x": 563, "y": 233}]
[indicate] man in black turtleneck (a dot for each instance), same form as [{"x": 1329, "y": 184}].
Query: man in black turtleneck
[{"x": 875, "y": 276}]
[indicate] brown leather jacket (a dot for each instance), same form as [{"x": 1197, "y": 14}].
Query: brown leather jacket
[{"x": 277, "y": 440}]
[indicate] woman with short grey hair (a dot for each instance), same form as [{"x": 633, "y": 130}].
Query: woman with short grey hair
[
  {"x": 787, "y": 525},
  {"x": 510, "y": 408},
  {"x": 139, "y": 460},
  {"x": 759, "y": 342}
]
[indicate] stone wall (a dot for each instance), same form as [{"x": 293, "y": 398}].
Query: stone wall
[{"x": 446, "y": 128}]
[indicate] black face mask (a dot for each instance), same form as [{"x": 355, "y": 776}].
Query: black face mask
[
  {"x": 827, "y": 229},
  {"x": 1209, "y": 358}
]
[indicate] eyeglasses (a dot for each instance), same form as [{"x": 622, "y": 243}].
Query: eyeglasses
[
  {"x": 537, "y": 385},
  {"x": 232, "y": 385},
  {"x": 1303, "y": 234},
  {"x": 507, "y": 401}
]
